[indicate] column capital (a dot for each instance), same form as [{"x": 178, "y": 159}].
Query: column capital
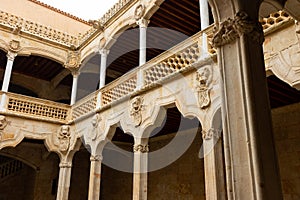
[
  {"x": 96, "y": 158},
  {"x": 211, "y": 133},
  {"x": 231, "y": 29},
  {"x": 104, "y": 52},
  {"x": 65, "y": 165},
  {"x": 143, "y": 23},
  {"x": 143, "y": 148},
  {"x": 11, "y": 55}
]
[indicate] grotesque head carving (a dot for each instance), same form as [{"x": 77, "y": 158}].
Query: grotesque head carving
[
  {"x": 3, "y": 122},
  {"x": 136, "y": 110},
  {"x": 64, "y": 136}
]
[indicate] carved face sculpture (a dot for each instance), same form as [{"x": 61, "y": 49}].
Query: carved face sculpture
[
  {"x": 3, "y": 122},
  {"x": 202, "y": 76},
  {"x": 95, "y": 120},
  {"x": 136, "y": 104},
  {"x": 64, "y": 138}
]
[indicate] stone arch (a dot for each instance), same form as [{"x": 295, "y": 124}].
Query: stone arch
[
  {"x": 269, "y": 6},
  {"x": 28, "y": 162},
  {"x": 44, "y": 52}
]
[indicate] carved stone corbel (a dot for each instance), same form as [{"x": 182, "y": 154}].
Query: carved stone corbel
[
  {"x": 96, "y": 24},
  {"x": 203, "y": 82},
  {"x": 231, "y": 29},
  {"x": 136, "y": 106}
]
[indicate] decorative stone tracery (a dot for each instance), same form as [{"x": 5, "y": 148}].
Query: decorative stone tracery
[{"x": 231, "y": 29}]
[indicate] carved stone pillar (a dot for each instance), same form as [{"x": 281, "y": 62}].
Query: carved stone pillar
[
  {"x": 204, "y": 20},
  {"x": 64, "y": 180},
  {"x": 8, "y": 69},
  {"x": 95, "y": 177},
  {"x": 75, "y": 75},
  {"x": 213, "y": 165},
  {"x": 143, "y": 23},
  {"x": 104, "y": 53},
  {"x": 140, "y": 176},
  {"x": 251, "y": 164}
]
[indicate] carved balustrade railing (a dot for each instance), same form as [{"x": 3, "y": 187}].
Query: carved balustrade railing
[
  {"x": 84, "y": 105},
  {"x": 30, "y": 107},
  {"x": 275, "y": 20},
  {"x": 38, "y": 30}
]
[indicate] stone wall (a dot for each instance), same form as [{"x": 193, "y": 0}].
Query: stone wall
[{"x": 286, "y": 123}]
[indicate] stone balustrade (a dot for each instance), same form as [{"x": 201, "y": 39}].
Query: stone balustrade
[{"x": 39, "y": 109}]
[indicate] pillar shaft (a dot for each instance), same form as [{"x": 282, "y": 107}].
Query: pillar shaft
[
  {"x": 8, "y": 69},
  {"x": 143, "y": 23},
  {"x": 214, "y": 167},
  {"x": 74, "y": 87},
  {"x": 251, "y": 164},
  {"x": 204, "y": 14},
  {"x": 64, "y": 181},
  {"x": 103, "y": 66},
  {"x": 95, "y": 178},
  {"x": 140, "y": 176}
]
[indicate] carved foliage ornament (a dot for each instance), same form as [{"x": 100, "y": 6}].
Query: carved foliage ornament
[
  {"x": 136, "y": 106},
  {"x": 139, "y": 12},
  {"x": 141, "y": 148},
  {"x": 203, "y": 81},
  {"x": 231, "y": 29}
]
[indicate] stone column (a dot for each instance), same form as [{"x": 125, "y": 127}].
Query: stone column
[
  {"x": 143, "y": 23},
  {"x": 213, "y": 165},
  {"x": 140, "y": 175},
  {"x": 75, "y": 75},
  {"x": 95, "y": 177},
  {"x": 204, "y": 20},
  {"x": 250, "y": 157},
  {"x": 64, "y": 180},
  {"x": 104, "y": 53},
  {"x": 8, "y": 69}
]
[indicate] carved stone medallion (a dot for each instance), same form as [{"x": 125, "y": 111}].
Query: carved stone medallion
[
  {"x": 14, "y": 46},
  {"x": 136, "y": 106},
  {"x": 231, "y": 29},
  {"x": 139, "y": 12},
  {"x": 203, "y": 80},
  {"x": 5, "y": 135}
]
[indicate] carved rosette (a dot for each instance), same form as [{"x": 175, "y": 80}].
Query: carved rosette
[
  {"x": 139, "y": 11},
  {"x": 73, "y": 62},
  {"x": 136, "y": 106},
  {"x": 141, "y": 148},
  {"x": 231, "y": 29},
  {"x": 62, "y": 138},
  {"x": 203, "y": 81},
  {"x": 211, "y": 133}
]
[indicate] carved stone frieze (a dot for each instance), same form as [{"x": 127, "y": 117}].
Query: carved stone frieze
[
  {"x": 203, "y": 81},
  {"x": 141, "y": 148},
  {"x": 62, "y": 138},
  {"x": 136, "y": 106},
  {"x": 211, "y": 133},
  {"x": 231, "y": 29},
  {"x": 139, "y": 11}
]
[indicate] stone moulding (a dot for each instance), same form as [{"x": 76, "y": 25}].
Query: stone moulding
[{"x": 231, "y": 29}]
